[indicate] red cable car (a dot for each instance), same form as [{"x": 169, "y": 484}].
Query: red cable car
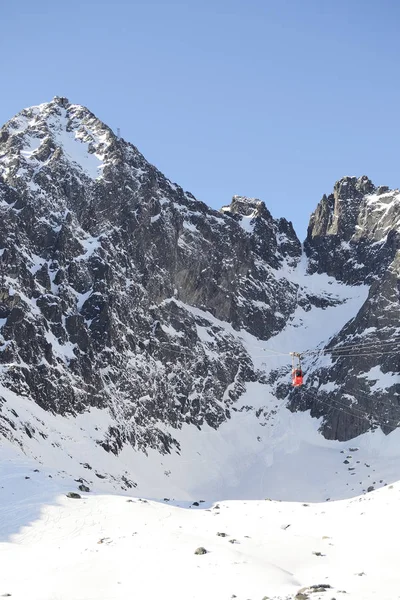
[
  {"x": 297, "y": 373},
  {"x": 297, "y": 377}
]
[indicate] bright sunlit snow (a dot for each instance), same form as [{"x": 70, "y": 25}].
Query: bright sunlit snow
[
  {"x": 117, "y": 547},
  {"x": 75, "y": 148}
]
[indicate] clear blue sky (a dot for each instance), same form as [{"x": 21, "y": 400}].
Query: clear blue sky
[{"x": 272, "y": 99}]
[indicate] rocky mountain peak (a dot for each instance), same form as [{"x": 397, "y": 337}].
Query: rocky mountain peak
[
  {"x": 353, "y": 188},
  {"x": 272, "y": 239},
  {"x": 42, "y": 137},
  {"x": 61, "y": 100},
  {"x": 248, "y": 207},
  {"x": 356, "y": 225},
  {"x": 338, "y": 213}
]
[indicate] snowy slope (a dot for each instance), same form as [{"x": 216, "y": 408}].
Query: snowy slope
[
  {"x": 104, "y": 547},
  {"x": 263, "y": 450}
]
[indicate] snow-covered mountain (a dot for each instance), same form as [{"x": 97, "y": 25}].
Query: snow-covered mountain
[{"x": 145, "y": 337}]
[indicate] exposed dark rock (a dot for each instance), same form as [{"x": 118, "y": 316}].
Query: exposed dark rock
[
  {"x": 320, "y": 587},
  {"x": 305, "y": 593},
  {"x": 74, "y": 495},
  {"x": 352, "y": 235}
]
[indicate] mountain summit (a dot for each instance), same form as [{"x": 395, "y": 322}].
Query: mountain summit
[{"x": 134, "y": 318}]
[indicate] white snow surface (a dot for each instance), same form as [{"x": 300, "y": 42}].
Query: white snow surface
[
  {"x": 74, "y": 146},
  {"x": 248, "y": 222},
  {"x": 112, "y": 547}
]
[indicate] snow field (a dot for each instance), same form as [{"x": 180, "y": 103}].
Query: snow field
[{"x": 103, "y": 547}]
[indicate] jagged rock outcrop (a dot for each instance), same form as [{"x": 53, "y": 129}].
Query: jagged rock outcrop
[
  {"x": 354, "y": 236},
  {"x": 354, "y": 233}
]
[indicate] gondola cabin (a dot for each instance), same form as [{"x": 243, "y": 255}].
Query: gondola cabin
[{"x": 297, "y": 377}]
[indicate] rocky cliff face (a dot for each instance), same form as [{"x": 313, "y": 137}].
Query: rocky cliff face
[
  {"x": 354, "y": 233},
  {"x": 121, "y": 292},
  {"x": 101, "y": 254},
  {"x": 354, "y": 236}
]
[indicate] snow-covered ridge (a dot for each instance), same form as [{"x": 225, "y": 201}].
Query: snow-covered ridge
[{"x": 36, "y": 134}]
